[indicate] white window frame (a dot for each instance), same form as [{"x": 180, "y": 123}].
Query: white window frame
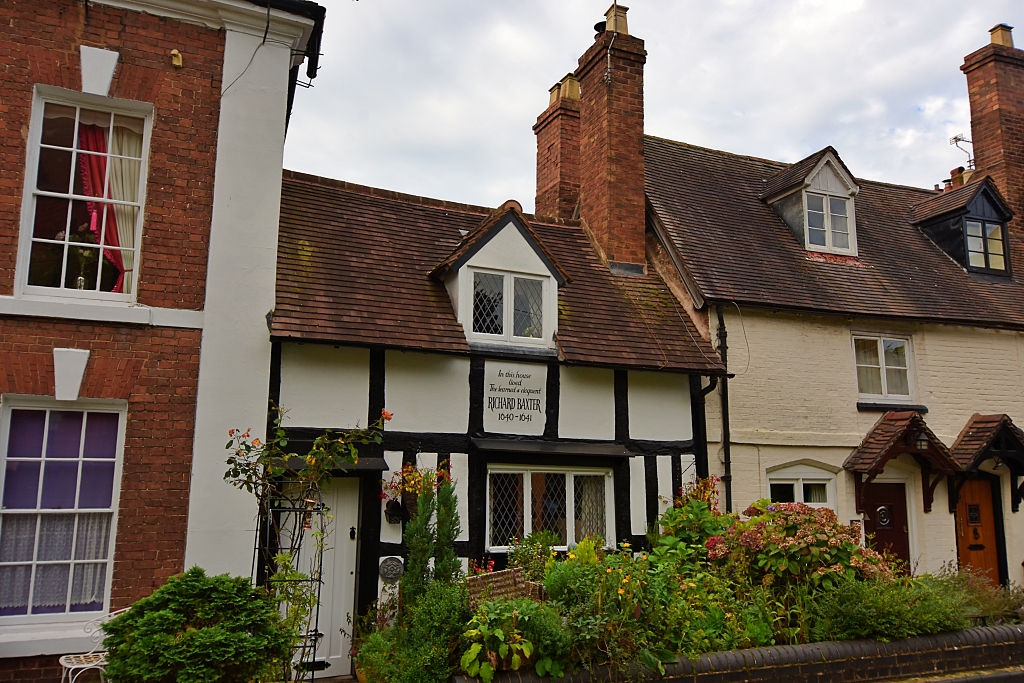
[
  {"x": 885, "y": 395},
  {"x": 526, "y": 471},
  {"x": 851, "y": 223},
  {"x": 800, "y": 474},
  {"x": 508, "y": 305},
  {"x": 49, "y": 94},
  {"x": 15, "y": 623}
]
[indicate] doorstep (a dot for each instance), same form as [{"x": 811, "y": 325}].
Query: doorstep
[{"x": 987, "y": 648}]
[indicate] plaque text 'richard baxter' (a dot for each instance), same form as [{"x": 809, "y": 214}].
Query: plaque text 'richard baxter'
[{"x": 514, "y": 401}]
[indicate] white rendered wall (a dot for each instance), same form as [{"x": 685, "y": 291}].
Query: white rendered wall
[
  {"x": 637, "y": 496},
  {"x": 426, "y": 392},
  {"x": 234, "y": 365},
  {"x": 460, "y": 475},
  {"x": 586, "y": 403},
  {"x": 324, "y": 386},
  {"x": 659, "y": 406}
]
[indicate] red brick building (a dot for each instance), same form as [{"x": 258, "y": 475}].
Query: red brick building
[{"x": 129, "y": 165}]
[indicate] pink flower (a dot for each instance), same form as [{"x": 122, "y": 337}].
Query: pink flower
[{"x": 386, "y": 415}]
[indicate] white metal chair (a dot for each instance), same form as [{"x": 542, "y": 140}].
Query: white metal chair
[{"x": 73, "y": 666}]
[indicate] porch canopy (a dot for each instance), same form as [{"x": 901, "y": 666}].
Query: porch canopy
[
  {"x": 993, "y": 437},
  {"x": 897, "y": 433}
]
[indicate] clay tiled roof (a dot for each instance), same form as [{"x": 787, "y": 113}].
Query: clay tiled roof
[
  {"x": 883, "y": 443},
  {"x": 796, "y": 174},
  {"x": 954, "y": 200},
  {"x": 978, "y": 434},
  {"x": 735, "y": 248},
  {"x": 354, "y": 268}
]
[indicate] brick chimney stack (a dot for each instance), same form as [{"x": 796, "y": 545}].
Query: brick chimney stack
[
  {"x": 995, "y": 83},
  {"x": 606, "y": 163},
  {"x": 558, "y": 151}
]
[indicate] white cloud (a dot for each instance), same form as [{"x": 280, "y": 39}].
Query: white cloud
[{"x": 439, "y": 98}]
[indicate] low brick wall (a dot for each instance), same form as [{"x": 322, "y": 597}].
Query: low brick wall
[{"x": 989, "y": 647}]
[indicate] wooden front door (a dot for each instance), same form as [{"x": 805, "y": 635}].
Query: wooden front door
[
  {"x": 885, "y": 516},
  {"x": 976, "y": 536}
]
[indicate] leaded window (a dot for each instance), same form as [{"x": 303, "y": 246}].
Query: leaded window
[
  {"x": 572, "y": 505},
  {"x": 57, "y": 510},
  {"x": 508, "y": 307}
]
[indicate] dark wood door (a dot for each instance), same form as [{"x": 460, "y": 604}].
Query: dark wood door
[
  {"x": 885, "y": 516},
  {"x": 976, "y": 528}
]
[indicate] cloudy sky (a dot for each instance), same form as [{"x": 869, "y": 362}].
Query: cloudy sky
[{"x": 438, "y": 98}]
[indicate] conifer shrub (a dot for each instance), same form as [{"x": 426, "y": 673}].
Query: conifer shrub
[{"x": 198, "y": 629}]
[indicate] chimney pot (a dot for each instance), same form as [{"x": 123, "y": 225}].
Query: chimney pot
[
  {"x": 615, "y": 19},
  {"x": 555, "y": 90},
  {"x": 947, "y": 185},
  {"x": 569, "y": 88},
  {"x": 1002, "y": 34},
  {"x": 600, "y": 27}
]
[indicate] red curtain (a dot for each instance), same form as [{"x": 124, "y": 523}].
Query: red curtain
[{"x": 93, "y": 168}]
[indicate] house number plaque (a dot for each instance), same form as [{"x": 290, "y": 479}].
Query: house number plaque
[{"x": 514, "y": 398}]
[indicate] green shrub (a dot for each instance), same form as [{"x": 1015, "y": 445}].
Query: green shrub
[
  {"x": 518, "y": 631},
  {"x": 447, "y": 567},
  {"x": 532, "y": 553},
  {"x": 887, "y": 608},
  {"x": 198, "y": 629},
  {"x": 419, "y": 538}
]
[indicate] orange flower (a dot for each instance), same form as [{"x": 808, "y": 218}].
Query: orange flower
[
  {"x": 231, "y": 432},
  {"x": 621, "y": 591},
  {"x": 386, "y": 415},
  {"x": 256, "y": 442}
]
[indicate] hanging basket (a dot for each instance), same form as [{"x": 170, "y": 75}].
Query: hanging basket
[
  {"x": 394, "y": 513},
  {"x": 410, "y": 502}
]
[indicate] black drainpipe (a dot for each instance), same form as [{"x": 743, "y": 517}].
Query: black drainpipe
[
  {"x": 700, "y": 426},
  {"x": 723, "y": 351}
]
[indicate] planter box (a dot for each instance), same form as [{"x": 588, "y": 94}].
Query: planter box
[{"x": 850, "y": 660}]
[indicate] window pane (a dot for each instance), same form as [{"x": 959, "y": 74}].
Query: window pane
[
  {"x": 21, "y": 485},
  {"x": 548, "y": 503},
  {"x": 123, "y": 183},
  {"x": 867, "y": 351},
  {"x": 54, "y": 170},
  {"x": 91, "y": 174},
  {"x": 783, "y": 493},
  {"x": 93, "y": 539},
  {"x": 816, "y": 237},
  {"x": 974, "y": 228},
  {"x": 897, "y": 382},
  {"x": 839, "y": 224},
  {"x": 589, "y": 507},
  {"x": 97, "y": 485},
  {"x": 815, "y": 220},
  {"x": 976, "y": 259},
  {"x": 82, "y": 268},
  {"x": 93, "y": 130},
  {"x": 127, "y": 140},
  {"x": 816, "y": 203},
  {"x": 14, "y": 584},
  {"x": 528, "y": 312},
  {"x": 46, "y": 264},
  {"x": 869, "y": 380},
  {"x": 64, "y": 434},
  {"x": 58, "y": 125},
  {"x": 815, "y": 493},
  {"x": 506, "y": 507},
  {"x": 51, "y": 220},
  {"x": 25, "y": 439},
  {"x": 840, "y": 240},
  {"x": 50, "y": 593},
  {"x": 60, "y": 482},
  {"x": 994, "y": 231},
  {"x": 995, "y": 246},
  {"x": 56, "y": 534},
  {"x": 87, "y": 587},
  {"x": 975, "y": 244},
  {"x": 100, "y": 435},
  {"x": 895, "y": 353},
  {"x": 996, "y": 263},
  {"x": 17, "y": 538},
  {"x": 837, "y": 207},
  {"x": 488, "y": 303}
]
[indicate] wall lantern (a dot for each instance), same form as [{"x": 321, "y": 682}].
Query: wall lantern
[{"x": 922, "y": 442}]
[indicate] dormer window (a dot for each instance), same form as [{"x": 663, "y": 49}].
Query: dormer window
[
  {"x": 986, "y": 246},
  {"x": 815, "y": 199},
  {"x": 828, "y": 222},
  {"x": 508, "y": 307}
]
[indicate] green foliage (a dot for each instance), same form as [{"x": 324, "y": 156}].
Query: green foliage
[
  {"x": 198, "y": 629},
  {"x": 532, "y": 553},
  {"x": 419, "y": 538},
  {"x": 888, "y": 608},
  {"x": 515, "y": 632},
  {"x": 447, "y": 567},
  {"x": 423, "y": 646}
]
